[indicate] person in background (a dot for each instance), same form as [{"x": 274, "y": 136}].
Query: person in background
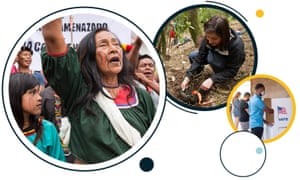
[
  {"x": 147, "y": 77},
  {"x": 236, "y": 108},
  {"x": 107, "y": 112},
  {"x": 173, "y": 39},
  {"x": 26, "y": 105},
  {"x": 244, "y": 113},
  {"x": 48, "y": 105},
  {"x": 221, "y": 48},
  {"x": 24, "y": 60},
  {"x": 257, "y": 108},
  {"x": 145, "y": 73}
]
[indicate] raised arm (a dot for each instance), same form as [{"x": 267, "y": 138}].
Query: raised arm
[
  {"x": 147, "y": 82},
  {"x": 61, "y": 65},
  {"x": 133, "y": 54},
  {"x": 53, "y": 36}
]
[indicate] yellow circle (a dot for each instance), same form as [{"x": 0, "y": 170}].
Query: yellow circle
[
  {"x": 259, "y": 13},
  {"x": 266, "y": 77}
]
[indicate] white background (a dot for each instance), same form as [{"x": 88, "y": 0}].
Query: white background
[{"x": 184, "y": 145}]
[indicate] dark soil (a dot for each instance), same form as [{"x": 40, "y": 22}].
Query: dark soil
[{"x": 177, "y": 63}]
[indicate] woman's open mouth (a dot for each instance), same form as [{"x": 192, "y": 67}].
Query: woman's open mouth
[{"x": 115, "y": 60}]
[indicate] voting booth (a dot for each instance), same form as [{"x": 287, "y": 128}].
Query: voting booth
[{"x": 278, "y": 121}]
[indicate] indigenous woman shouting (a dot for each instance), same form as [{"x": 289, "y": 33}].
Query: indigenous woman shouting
[{"x": 107, "y": 112}]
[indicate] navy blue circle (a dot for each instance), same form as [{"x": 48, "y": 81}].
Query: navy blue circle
[
  {"x": 146, "y": 164},
  {"x": 227, "y": 9}
]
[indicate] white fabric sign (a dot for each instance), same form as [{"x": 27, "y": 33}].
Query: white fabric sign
[{"x": 82, "y": 24}]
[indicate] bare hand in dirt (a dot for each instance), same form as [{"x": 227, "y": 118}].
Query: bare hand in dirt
[
  {"x": 207, "y": 84},
  {"x": 185, "y": 83}
]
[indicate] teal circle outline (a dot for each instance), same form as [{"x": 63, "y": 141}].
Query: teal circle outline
[{"x": 265, "y": 155}]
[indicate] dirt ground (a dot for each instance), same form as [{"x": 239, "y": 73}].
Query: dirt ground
[{"x": 177, "y": 63}]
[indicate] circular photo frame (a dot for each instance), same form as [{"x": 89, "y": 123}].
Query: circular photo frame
[
  {"x": 76, "y": 23},
  {"x": 201, "y": 72},
  {"x": 268, "y": 114}
]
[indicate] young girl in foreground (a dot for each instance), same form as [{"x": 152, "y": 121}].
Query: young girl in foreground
[{"x": 26, "y": 104}]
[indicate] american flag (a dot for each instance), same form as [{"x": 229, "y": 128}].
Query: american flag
[{"x": 281, "y": 110}]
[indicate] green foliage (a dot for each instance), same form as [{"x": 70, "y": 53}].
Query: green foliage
[
  {"x": 206, "y": 13},
  {"x": 188, "y": 22}
]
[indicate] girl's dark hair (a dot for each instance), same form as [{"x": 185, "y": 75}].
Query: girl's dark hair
[
  {"x": 19, "y": 83},
  {"x": 219, "y": 25},
  {"x": 92, "y": 75}
]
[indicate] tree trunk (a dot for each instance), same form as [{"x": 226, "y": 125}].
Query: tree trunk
[
  {"x": 161, "y": 44},
  {"x": 196, "y": 31}
]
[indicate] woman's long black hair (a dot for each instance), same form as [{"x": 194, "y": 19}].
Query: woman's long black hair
[
  {"x": 92, "y": 75},
  {"x": 19, "y": 83}
]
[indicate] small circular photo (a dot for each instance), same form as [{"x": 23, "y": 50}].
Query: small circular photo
[
  {"x": 85, "y": 86},
  {"x": 262, "y": 105},
  {"x": 205, "y": 50}
]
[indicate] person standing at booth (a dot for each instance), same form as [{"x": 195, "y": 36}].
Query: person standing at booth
[{"x": 257, "y": 108}]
